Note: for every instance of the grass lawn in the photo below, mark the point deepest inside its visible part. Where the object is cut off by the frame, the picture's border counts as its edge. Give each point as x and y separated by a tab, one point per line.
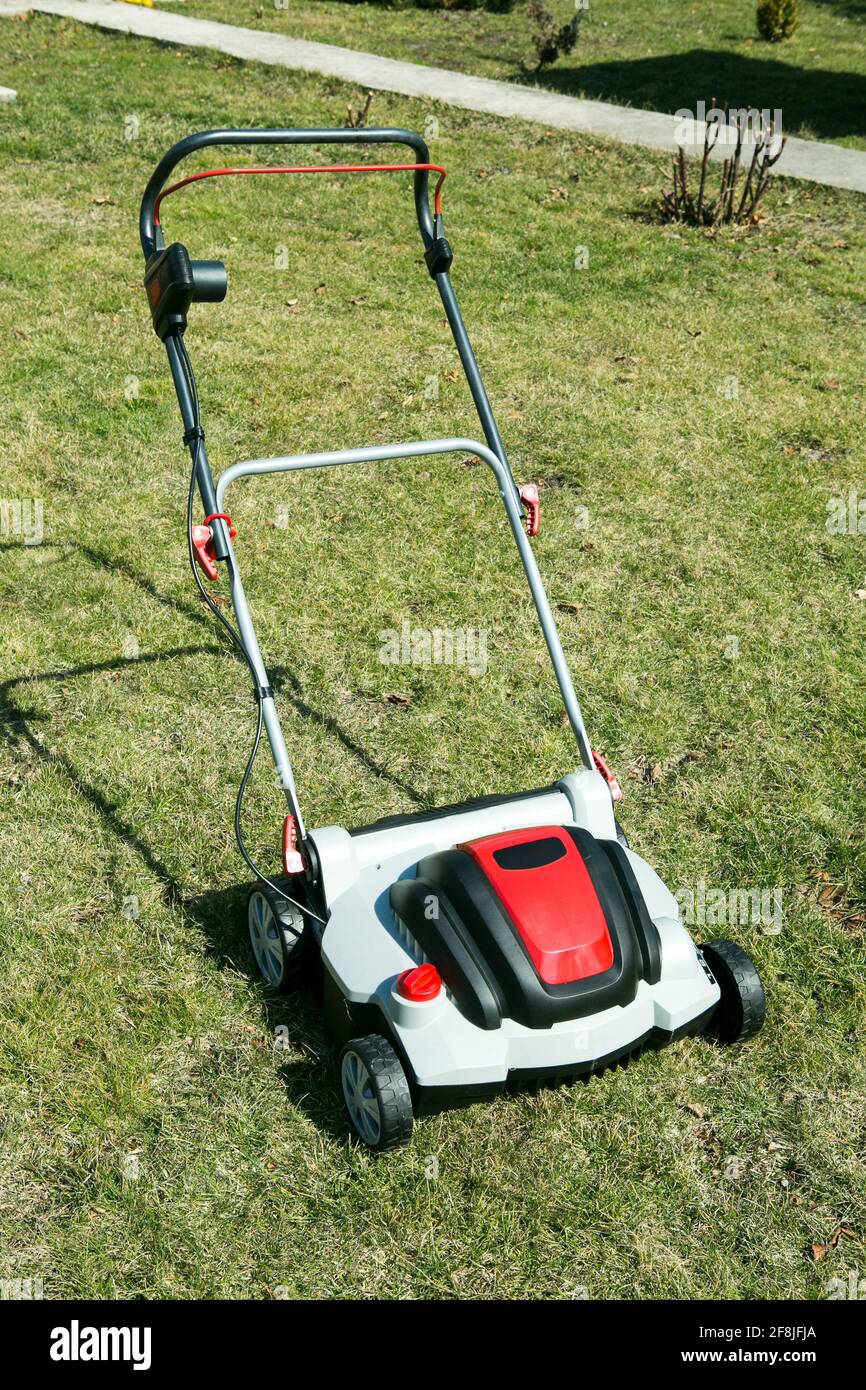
701	400
641	53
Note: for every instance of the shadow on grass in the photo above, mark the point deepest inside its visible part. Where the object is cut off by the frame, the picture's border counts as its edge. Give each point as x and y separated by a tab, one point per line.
830	105
221	913
16	719
846	9
310	1081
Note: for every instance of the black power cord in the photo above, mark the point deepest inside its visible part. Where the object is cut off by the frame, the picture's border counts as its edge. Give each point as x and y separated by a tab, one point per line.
237	641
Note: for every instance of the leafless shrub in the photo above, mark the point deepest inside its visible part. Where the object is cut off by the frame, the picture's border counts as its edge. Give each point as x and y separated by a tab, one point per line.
743	182
356	119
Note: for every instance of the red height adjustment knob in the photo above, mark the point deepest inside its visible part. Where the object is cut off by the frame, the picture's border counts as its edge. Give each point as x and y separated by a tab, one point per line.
421	984
530	499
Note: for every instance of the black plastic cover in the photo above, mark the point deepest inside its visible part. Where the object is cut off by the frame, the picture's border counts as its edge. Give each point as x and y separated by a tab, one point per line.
439	256
168	280
173	282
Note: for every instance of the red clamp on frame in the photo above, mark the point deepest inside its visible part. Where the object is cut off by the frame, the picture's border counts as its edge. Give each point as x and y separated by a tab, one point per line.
293	862
609	777
531	501
202	541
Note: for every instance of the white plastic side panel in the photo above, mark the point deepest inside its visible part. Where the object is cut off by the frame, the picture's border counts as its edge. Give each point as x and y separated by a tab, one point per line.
590	801
659	899
453	1052
365	948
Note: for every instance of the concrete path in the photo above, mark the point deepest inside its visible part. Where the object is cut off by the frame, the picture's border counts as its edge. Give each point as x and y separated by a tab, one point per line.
803	159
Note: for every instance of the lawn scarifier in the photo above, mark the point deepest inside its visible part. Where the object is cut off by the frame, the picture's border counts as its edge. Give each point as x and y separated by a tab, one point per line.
507	939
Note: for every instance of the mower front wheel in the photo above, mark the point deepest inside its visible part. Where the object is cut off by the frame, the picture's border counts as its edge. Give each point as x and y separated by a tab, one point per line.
376	1092
743	1005
276	930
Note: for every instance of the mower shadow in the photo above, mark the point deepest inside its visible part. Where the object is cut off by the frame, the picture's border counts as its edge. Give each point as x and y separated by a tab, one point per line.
310	1083
283	681
295	1021
16	720
17	723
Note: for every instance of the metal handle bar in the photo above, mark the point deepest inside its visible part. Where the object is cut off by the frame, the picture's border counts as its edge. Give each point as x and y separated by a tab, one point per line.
204	139
381	452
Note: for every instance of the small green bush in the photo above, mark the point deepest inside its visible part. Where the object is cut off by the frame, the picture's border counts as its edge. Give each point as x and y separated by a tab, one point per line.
777	19
550	39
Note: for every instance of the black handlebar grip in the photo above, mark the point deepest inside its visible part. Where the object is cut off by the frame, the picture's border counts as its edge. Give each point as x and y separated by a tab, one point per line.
210	282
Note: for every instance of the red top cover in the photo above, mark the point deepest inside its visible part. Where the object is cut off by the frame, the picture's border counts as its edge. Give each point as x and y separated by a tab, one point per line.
543	884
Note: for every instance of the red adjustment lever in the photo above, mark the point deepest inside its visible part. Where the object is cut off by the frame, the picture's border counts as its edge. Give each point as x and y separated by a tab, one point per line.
202	540
293	862
530	499
609	777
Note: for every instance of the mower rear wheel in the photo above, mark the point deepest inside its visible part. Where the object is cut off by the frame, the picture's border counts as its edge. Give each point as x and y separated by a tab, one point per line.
743	1005
276	930
376	1092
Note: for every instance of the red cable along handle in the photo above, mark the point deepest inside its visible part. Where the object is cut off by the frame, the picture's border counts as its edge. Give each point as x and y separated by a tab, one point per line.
307	169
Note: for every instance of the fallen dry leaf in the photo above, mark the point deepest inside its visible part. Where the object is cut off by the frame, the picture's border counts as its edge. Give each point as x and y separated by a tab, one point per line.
819	1251
642	770
833	899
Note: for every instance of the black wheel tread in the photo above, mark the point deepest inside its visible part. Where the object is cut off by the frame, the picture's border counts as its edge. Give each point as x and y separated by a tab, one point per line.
293	946
740	1017
391	1086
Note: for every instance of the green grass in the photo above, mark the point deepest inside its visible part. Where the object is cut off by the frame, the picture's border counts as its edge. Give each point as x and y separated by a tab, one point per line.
138	1028
643	54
